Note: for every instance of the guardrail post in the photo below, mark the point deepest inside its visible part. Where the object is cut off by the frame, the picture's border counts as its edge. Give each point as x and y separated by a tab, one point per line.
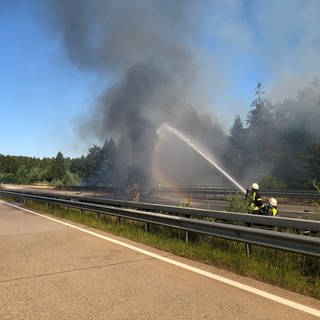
283	239
248	245
248	249
187	237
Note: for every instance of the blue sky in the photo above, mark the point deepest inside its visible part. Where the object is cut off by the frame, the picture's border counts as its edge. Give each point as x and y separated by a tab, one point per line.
41	93
238	43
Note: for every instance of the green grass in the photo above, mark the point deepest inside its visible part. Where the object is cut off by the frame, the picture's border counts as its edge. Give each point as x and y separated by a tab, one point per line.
287	270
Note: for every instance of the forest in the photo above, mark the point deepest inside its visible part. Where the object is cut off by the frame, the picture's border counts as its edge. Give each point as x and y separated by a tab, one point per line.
279	143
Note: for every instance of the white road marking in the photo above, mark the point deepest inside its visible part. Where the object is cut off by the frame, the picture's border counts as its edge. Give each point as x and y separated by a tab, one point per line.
210	275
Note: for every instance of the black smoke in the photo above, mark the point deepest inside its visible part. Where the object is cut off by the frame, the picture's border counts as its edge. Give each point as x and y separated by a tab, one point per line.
144	46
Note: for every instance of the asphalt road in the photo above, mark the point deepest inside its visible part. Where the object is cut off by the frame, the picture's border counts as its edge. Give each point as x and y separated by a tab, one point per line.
52	271
296	211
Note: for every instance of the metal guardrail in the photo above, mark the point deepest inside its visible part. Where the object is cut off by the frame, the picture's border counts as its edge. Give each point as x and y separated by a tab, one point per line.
279	222
93	189
302	244
306	194
202	190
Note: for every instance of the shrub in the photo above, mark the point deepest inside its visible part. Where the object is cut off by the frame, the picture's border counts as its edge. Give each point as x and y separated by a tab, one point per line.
236	203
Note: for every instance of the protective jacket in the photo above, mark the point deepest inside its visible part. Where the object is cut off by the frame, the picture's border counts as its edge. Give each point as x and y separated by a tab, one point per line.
254	201
269	210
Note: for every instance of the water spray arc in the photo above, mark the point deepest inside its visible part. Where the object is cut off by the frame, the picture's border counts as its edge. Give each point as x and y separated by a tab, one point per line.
205	155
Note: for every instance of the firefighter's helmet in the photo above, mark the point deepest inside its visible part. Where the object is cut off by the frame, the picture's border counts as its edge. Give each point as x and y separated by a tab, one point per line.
255	186
273	202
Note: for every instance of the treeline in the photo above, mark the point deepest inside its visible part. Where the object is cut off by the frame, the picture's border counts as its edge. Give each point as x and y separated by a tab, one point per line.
276	145
93	169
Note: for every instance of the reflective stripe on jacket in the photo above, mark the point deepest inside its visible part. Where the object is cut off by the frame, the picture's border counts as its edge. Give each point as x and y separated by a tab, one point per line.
274	211
255	202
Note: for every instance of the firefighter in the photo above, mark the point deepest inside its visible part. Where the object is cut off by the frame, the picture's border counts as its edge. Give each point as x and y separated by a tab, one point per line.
254	199
271	208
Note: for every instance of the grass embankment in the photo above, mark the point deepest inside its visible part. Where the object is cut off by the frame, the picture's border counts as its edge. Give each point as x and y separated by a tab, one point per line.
287	270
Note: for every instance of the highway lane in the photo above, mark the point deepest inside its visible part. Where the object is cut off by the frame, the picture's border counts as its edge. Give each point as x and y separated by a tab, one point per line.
295	211
300	210
51	271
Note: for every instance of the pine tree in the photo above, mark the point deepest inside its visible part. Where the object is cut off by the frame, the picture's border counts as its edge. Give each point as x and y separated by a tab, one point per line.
58	168
237	134
260	112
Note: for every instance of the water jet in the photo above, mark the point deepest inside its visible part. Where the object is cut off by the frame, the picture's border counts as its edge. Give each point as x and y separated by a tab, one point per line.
204	154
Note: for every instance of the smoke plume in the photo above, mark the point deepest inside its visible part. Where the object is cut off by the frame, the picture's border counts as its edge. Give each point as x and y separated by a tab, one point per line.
143	46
